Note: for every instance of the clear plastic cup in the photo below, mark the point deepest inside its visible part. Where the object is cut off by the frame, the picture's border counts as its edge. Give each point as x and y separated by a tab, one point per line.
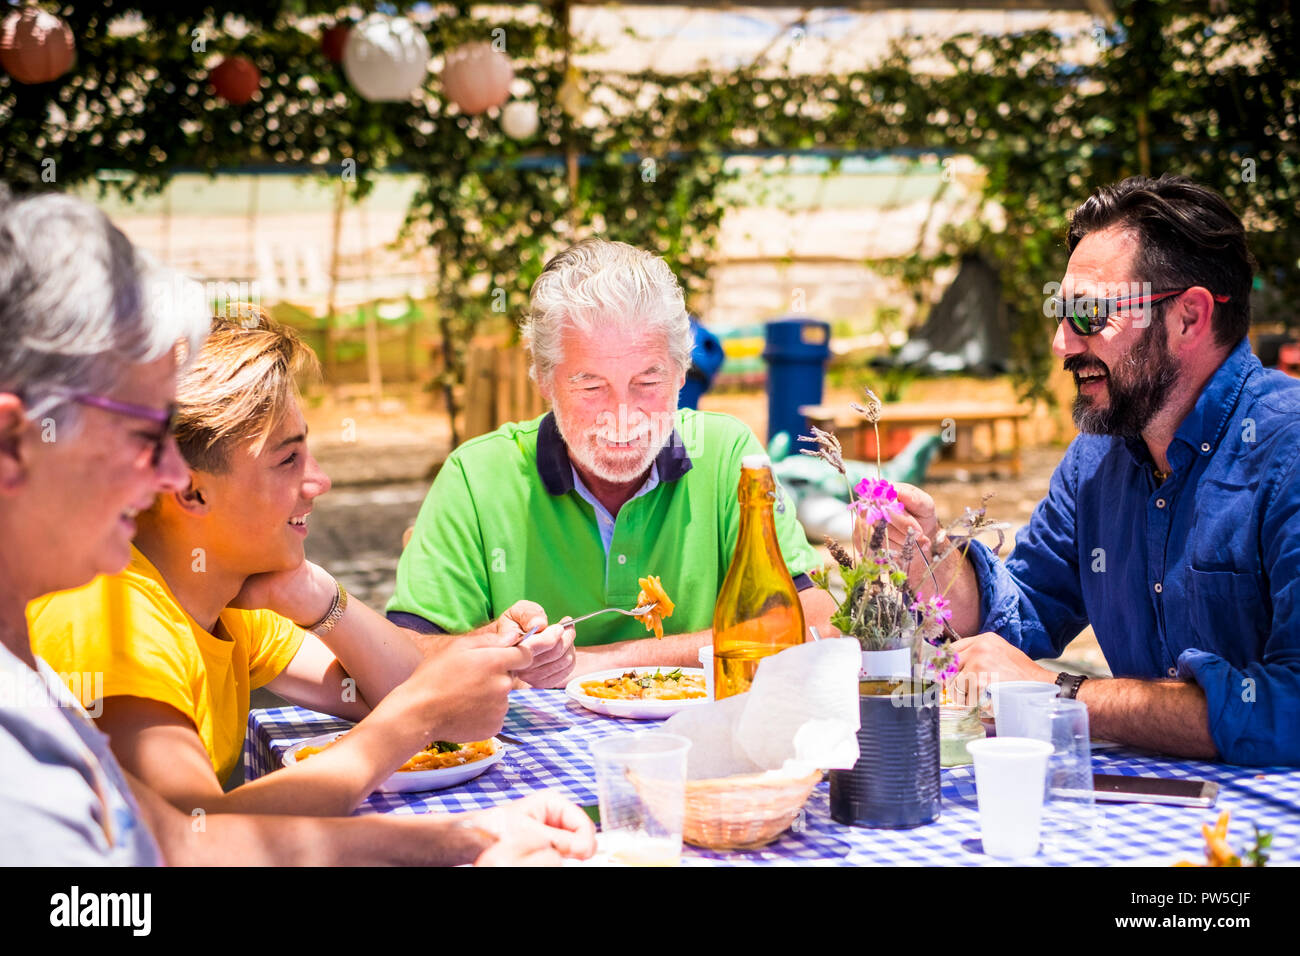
706	661
1070	815
1009	699
1009	775
641	783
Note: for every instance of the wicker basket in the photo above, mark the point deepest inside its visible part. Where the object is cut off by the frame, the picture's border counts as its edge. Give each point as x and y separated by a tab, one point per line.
743	812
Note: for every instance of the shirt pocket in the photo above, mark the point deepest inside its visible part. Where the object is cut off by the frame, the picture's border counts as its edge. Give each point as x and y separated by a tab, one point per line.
1224	537
1227	615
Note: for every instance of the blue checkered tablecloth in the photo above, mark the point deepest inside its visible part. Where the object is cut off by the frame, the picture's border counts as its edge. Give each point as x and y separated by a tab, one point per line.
556	734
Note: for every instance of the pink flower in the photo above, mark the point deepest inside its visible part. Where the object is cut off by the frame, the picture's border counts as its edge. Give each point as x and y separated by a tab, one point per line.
877	499
944	666
935	608
931	615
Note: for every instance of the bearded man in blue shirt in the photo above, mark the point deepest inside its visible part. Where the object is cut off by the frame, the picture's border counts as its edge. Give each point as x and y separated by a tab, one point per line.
1171	524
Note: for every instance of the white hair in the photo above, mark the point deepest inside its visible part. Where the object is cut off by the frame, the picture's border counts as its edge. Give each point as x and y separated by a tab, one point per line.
79	304
611	287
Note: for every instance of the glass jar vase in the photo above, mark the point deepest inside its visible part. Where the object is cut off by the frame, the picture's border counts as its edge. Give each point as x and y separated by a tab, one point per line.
958	726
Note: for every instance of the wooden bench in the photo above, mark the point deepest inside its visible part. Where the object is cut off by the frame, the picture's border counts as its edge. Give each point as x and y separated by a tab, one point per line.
956	423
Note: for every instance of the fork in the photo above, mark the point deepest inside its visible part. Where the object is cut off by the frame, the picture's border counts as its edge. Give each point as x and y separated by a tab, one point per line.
635	612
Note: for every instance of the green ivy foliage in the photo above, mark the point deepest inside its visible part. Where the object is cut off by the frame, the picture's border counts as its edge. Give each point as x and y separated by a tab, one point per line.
1208	90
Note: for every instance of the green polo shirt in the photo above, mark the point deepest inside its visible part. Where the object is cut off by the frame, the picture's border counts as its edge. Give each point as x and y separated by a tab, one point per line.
503	523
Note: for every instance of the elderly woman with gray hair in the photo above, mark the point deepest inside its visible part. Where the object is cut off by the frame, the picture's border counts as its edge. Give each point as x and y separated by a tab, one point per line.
89	335
86	378
613	484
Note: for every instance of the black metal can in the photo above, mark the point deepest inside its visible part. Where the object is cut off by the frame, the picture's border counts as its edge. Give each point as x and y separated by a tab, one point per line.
895	783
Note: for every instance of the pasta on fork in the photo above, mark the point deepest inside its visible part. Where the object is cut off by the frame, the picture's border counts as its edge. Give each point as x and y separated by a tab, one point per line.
653	593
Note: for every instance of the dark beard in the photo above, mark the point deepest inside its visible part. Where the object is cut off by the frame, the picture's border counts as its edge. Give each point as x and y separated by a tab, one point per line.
1138	387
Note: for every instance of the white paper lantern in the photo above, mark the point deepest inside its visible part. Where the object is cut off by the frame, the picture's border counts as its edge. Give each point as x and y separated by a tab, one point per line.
386	58
519	119
477	77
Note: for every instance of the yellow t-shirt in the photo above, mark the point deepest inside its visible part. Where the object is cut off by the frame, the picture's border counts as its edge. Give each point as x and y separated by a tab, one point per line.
129	631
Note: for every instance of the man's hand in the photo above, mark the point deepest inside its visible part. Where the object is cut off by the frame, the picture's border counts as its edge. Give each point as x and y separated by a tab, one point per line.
302	594
985	659
950	574
919	517
920	512
538	830
551	647
461	690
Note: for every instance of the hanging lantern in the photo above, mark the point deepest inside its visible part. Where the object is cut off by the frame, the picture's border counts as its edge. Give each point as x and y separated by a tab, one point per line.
385	58
235	79
35	46
519	119
477	77
334	41
570	95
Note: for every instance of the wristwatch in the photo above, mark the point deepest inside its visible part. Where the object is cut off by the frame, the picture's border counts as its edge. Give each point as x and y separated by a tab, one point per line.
336	609
1069	684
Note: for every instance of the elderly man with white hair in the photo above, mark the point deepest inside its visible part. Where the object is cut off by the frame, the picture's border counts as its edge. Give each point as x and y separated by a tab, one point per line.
613	484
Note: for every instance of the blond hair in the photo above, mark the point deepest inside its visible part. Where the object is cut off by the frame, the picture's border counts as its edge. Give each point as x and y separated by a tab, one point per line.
610	287
238	387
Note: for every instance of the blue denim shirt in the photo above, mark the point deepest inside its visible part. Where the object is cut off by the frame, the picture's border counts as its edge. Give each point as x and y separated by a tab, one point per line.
1198	577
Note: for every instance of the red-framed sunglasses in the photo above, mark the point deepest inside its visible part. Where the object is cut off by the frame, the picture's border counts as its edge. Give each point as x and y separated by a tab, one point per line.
1088	315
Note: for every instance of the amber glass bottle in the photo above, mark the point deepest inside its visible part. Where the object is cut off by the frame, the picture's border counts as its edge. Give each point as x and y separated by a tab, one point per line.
758	611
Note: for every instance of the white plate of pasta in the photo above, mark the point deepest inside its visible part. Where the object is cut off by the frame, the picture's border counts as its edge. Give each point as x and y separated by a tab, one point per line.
642	693
436	767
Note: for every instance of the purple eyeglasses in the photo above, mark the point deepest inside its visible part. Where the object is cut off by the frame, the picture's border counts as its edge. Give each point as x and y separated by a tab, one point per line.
164	417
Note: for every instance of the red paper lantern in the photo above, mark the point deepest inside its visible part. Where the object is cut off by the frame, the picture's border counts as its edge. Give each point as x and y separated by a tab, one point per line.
235	79
334	40
35	46
476	77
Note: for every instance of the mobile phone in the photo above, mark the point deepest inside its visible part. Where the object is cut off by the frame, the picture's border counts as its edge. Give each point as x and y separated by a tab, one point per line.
1118	788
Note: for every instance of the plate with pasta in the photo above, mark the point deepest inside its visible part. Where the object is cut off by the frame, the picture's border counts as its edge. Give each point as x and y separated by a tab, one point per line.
440	765
642	693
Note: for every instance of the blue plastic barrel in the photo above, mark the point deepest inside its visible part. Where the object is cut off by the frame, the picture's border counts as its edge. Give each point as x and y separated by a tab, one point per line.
706	359
796	354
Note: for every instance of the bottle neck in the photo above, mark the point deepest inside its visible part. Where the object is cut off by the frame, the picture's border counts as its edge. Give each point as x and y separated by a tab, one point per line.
757	500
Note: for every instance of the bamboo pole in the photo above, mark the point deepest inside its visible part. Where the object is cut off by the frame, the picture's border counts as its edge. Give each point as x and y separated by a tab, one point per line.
331	306
373	373
563	14
1144	139
250	264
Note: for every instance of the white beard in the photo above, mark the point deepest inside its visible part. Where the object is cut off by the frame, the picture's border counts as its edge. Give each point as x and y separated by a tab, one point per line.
589	449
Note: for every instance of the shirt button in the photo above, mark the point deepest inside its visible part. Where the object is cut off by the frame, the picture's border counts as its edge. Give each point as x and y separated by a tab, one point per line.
1160	502
1173	672
622	559
1159	587
1205	446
